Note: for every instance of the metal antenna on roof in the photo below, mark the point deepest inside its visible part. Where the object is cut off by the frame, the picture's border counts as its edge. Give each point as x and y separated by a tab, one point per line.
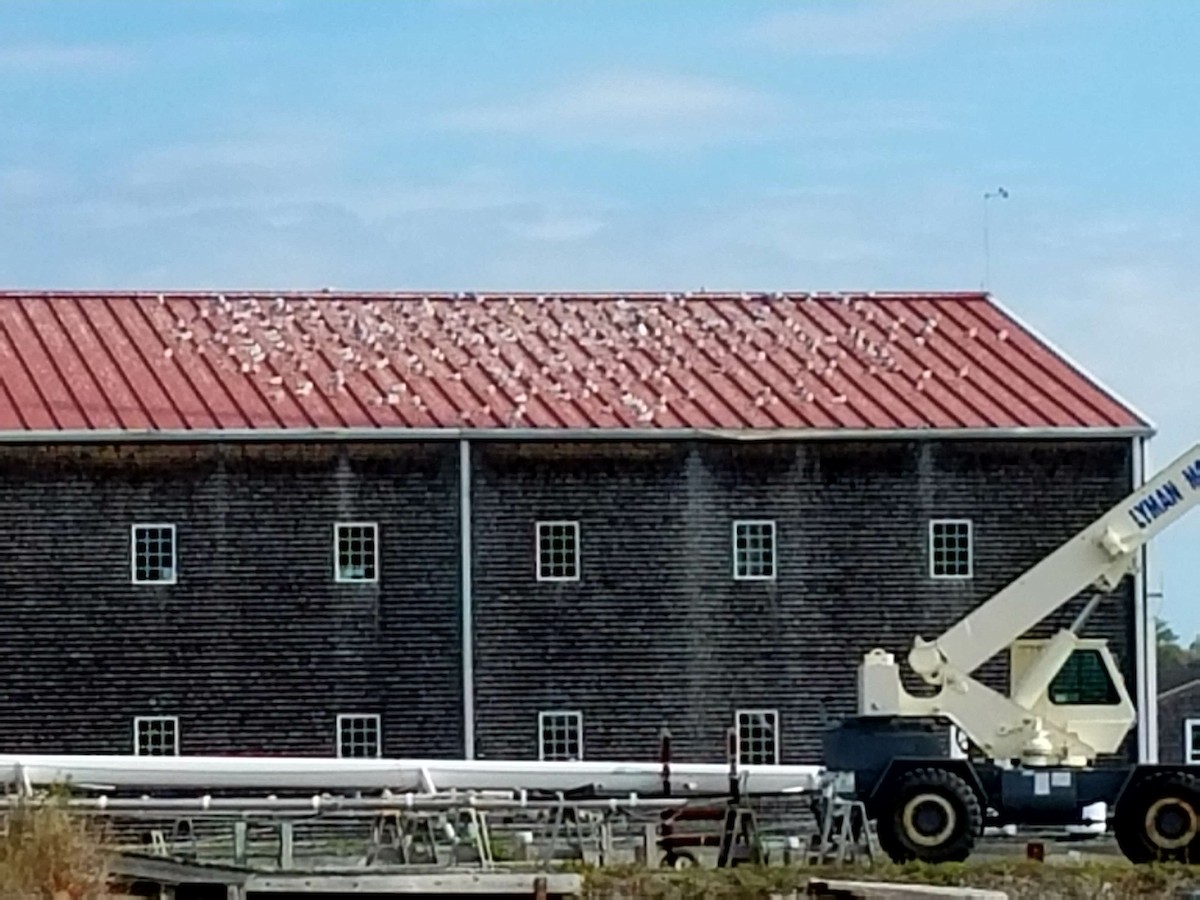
987	251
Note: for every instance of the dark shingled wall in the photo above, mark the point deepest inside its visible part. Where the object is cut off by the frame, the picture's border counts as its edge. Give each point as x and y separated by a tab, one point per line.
658	633
1174	709
256	648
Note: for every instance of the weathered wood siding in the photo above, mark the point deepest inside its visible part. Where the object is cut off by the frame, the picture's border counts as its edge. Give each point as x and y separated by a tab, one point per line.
256	649
657	632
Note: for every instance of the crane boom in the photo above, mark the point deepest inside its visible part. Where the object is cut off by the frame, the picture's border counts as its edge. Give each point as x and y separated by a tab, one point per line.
1099	556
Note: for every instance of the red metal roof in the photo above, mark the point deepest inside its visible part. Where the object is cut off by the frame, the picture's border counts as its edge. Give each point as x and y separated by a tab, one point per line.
266	361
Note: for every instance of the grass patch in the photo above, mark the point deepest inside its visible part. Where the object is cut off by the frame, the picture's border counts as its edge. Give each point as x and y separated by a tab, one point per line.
1020	880
47	853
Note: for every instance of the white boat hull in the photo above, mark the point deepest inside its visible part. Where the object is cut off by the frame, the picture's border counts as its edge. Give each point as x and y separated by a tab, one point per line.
214	773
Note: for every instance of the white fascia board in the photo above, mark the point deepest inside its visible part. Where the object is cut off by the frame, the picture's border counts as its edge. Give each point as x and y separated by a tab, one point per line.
241	435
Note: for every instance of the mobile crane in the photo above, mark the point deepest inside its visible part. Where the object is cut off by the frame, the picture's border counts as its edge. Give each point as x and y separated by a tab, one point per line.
932	769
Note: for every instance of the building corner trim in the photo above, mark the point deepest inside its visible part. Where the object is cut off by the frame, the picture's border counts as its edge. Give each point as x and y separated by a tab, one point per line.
467	613
1150	647
1145	634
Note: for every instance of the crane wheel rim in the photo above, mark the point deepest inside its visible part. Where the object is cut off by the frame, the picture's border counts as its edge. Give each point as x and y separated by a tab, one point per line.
924	838
1178	805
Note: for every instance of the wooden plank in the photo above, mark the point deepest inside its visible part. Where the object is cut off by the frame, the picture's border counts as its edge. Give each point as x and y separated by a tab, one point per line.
549	884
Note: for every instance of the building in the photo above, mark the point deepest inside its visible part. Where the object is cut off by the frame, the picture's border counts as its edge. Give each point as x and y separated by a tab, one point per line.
1179	723
519	526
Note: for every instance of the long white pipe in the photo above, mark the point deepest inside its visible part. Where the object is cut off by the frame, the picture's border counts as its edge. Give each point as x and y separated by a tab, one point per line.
213	773
218	806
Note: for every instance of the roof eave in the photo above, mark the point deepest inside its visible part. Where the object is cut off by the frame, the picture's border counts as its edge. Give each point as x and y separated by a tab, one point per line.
1179	689
567	434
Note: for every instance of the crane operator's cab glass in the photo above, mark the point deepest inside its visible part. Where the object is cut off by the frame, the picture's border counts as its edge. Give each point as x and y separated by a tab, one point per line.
1084	680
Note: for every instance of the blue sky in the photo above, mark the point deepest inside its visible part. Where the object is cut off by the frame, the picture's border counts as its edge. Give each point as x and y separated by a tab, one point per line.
535	145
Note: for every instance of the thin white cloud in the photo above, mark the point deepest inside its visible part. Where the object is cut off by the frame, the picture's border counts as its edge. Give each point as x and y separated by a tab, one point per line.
877	27
281	155
27	184
48	58
631	108
557	228
661	112
290	176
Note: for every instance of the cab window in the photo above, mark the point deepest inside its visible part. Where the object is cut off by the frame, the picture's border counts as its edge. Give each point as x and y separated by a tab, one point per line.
1084	681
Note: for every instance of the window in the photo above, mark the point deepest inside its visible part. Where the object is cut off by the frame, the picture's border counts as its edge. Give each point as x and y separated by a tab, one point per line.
558	551
156	736
1084	681
950	548
560	735
758	737
754	550
152	560
356	551
1191	741
358	736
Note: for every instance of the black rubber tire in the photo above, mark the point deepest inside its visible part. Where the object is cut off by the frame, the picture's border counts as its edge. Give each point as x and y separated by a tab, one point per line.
1158	819
930	815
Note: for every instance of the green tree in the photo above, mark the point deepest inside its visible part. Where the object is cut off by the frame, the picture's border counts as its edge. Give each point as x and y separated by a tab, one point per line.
1168	641
1176	664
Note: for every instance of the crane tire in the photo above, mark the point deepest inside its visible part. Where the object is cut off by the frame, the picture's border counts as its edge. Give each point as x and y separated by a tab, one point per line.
1158	819
929	814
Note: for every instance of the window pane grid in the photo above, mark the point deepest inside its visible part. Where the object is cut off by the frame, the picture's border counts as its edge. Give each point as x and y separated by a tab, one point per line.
950	548
560	735
558	551
754	549
758	732
156	736
357	551
358	736
153	554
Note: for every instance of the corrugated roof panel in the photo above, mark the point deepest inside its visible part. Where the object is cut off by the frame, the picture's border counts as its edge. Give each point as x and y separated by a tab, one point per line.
728	361
952	360
879	373
42	393
145	343
1082	399
844	342
109	385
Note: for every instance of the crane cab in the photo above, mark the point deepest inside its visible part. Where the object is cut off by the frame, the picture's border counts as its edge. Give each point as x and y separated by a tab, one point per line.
1077	686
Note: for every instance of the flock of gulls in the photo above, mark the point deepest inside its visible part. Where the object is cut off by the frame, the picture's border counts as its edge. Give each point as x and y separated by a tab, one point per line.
492	357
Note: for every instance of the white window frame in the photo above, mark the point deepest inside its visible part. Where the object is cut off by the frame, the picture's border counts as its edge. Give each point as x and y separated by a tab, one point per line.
733	540
1191	747
737	725
337	569
341	721
139	720
573	524
574	715
933	523
133	536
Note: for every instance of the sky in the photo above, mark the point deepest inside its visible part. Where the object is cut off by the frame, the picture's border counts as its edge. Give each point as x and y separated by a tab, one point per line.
605	144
